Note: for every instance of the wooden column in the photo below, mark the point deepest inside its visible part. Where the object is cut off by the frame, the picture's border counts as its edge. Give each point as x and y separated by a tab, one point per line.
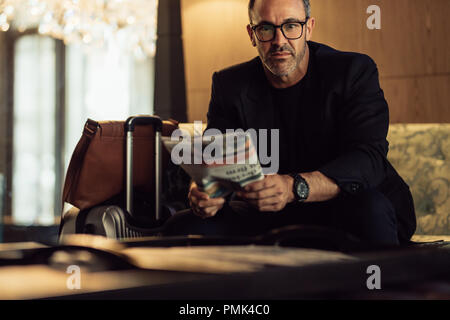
170	87
6	119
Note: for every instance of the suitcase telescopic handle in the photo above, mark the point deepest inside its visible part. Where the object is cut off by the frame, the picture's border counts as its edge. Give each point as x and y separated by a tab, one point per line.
155	121
130	124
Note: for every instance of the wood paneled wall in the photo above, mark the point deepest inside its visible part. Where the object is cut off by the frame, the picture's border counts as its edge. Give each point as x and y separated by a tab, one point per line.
3	107
214	37
412	49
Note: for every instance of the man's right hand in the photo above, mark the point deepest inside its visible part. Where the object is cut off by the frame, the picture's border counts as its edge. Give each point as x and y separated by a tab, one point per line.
202	205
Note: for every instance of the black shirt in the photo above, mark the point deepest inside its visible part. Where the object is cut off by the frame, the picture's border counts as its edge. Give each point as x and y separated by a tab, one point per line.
287	105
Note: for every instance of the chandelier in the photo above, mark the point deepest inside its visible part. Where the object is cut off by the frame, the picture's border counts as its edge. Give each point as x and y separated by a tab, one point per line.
130	23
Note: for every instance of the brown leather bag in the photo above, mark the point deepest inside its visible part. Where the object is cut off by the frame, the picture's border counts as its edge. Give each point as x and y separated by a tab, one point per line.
96	171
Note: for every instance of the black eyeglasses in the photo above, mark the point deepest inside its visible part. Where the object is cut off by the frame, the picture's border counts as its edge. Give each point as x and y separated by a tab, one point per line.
291	30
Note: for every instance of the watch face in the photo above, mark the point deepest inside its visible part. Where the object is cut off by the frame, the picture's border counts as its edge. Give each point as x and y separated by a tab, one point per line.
302	190
299	189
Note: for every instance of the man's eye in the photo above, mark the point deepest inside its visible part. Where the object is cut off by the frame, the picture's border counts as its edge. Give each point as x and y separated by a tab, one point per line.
266	28
291	26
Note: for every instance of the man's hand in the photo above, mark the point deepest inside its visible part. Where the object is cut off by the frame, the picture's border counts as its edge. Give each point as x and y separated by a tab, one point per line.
202	205
271	194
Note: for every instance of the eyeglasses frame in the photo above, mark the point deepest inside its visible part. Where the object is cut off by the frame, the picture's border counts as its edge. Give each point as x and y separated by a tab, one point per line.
302	23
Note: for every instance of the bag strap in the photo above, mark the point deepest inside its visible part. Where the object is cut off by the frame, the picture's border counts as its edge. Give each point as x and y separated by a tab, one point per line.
89	131
174	122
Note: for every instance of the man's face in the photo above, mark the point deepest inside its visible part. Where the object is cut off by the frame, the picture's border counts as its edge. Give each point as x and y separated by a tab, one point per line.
280	56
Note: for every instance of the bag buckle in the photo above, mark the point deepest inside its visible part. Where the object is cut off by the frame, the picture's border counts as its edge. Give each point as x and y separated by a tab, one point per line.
90	127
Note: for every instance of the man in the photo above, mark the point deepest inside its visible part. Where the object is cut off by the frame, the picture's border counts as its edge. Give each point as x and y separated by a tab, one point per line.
333	121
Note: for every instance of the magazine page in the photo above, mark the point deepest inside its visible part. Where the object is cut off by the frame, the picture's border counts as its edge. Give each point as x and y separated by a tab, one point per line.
219	164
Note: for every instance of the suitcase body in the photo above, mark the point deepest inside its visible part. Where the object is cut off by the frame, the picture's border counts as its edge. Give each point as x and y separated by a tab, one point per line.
118	219
108	221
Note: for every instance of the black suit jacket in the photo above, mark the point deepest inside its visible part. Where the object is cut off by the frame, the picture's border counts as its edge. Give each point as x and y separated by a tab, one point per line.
342	127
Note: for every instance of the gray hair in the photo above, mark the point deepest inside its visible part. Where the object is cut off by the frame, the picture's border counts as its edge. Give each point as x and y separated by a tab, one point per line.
306	4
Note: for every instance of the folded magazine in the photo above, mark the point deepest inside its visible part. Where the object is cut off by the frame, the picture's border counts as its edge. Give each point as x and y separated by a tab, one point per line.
219	164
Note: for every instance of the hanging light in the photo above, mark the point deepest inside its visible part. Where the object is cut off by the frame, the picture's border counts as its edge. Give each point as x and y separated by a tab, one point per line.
132	23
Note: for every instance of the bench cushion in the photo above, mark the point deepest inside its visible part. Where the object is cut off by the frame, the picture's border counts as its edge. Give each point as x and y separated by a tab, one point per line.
421	155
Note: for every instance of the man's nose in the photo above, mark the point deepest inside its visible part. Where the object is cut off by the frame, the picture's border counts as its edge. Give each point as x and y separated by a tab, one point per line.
279	38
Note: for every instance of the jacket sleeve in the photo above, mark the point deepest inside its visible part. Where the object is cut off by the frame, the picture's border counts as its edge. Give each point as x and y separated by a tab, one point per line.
363	125
219	117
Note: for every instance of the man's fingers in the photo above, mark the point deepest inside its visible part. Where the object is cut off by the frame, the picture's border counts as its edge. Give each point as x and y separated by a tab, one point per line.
210	203
198	194
260	185
206	208
211	211
262	194
194	201
273	208
260	203
207	212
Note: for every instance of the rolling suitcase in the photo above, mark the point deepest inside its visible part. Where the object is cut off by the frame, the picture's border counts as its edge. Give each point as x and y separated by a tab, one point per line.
118	217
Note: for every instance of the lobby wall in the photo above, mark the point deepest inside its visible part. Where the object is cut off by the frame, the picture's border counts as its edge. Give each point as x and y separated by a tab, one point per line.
411	49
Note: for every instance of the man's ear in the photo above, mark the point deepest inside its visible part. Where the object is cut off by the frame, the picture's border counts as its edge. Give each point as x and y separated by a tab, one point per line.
251	35
309	28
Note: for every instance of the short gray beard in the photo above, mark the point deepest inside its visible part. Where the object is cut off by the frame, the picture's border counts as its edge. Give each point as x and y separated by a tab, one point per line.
291	69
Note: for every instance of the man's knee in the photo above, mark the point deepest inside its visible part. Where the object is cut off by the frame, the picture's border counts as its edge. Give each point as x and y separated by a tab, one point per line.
236	218
371	216
373	203
186	222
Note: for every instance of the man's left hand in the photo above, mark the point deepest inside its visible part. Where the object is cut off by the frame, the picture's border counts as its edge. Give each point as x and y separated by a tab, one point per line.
271	194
